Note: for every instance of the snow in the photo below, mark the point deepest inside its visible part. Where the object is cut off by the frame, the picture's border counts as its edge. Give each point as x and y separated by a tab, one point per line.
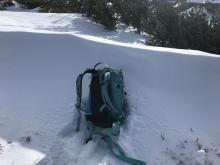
173	94
200	157
14	154
73	24
200	10
18	7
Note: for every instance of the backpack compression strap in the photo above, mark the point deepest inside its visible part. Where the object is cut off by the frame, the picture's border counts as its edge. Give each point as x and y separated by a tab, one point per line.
108	103
79	95
114	148
121	154
117	151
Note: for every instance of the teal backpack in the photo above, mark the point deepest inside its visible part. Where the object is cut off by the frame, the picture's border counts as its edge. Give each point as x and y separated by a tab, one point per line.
105	107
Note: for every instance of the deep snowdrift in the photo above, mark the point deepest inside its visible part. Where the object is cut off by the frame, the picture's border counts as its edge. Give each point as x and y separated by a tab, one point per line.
173	94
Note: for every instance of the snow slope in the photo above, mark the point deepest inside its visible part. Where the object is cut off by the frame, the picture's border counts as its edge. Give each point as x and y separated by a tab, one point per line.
173	94
73	24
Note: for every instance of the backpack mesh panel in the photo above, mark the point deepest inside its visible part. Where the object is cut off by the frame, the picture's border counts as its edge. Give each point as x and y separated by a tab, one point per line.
101	119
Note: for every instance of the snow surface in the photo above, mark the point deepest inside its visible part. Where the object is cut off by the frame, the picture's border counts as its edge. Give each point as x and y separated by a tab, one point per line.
173	94
73	24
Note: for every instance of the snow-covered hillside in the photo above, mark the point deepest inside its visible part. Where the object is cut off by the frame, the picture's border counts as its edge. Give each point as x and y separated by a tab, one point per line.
73	24
173	94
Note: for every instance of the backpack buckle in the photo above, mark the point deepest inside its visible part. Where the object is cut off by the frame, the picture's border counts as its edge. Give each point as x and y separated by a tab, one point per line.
116	129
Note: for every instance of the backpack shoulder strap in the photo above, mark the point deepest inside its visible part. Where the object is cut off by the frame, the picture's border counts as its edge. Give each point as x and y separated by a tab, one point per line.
79	94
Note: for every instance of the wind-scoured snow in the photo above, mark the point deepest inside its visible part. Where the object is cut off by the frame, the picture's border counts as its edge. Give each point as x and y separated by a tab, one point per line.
173	94
73	24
